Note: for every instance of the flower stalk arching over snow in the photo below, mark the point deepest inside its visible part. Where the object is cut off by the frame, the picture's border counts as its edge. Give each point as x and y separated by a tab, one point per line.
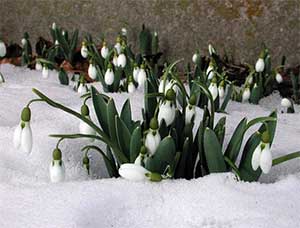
190	110
2	49
22	137
142	76
109	76
84	128
57	167
262	156
104	50
84	50
167	109
153	138
92	71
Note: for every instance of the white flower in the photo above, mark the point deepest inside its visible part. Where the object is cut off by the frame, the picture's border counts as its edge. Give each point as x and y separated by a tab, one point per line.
104	51
84	50
278	77
56	42
190	112
23	41
115	60
57	171
135	73
221	91
195	58
53	25
124	31
172	85
45	72
260	65
131	87
118	47
92	71
142	77
211	49
152	141
133	172
163	84
249	79
2	49
213	89
38	65
23	137
121	60
109	76
82	89
246	94
262	157
210	72
166	112
286	103
63	32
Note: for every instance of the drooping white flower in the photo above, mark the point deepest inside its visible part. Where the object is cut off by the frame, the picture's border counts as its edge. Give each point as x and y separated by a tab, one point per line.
135	73
121	61
260	65
279	78
246	94
142	76
163	84
82	88
213	89
118	46
249	79
53	25
140	160
190	110
286	103
45	72
211	49
56	42
262	156
38	65
131	87
109	76
2	49
195	57
210	71
153	138
221	89
23	42
22	137
104	51
115	60
84	50
57	167
167	109
133	172
124	32
63	32
92	71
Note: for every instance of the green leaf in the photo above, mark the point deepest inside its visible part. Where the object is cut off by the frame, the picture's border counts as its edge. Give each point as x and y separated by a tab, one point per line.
227	98
111	115
63	77
145	39
220	129
163	156
126	115
135	143
123	136
181	168
213	152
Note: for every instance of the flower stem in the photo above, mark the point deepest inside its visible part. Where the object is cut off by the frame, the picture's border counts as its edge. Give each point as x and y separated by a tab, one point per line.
285	158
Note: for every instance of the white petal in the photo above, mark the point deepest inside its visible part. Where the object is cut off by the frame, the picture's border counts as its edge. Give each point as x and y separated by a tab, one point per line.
256	157
118	48
115	61
26	138
221	92
210	73
152	142
17	136
279	78
142	77
135	73
57	172
45	72
166	112
213	90
246	95
138	160
195	57
163	84
38	66
189	113
131	88
82	89
133	172
104	52
121	60
260	65
286	103
92	71
109	77
2	49
84	51
266	159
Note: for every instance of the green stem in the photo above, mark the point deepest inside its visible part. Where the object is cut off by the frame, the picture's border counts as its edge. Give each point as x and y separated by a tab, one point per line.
32	101
285	158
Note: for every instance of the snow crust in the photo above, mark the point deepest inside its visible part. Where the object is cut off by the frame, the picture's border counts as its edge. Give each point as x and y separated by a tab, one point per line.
28	199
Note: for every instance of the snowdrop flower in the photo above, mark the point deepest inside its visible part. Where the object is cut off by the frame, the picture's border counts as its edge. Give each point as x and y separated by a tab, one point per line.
63	32
163	84
104	50
211	49
136	71
84	50
133	172
38	65
2	49
84	128
167	108
221	90
262	156
260	64
190	110
82	89
92	71
286	103
195	57
210	70
23	41
115	60
124	32
53	25
213	89
121	61
118	45
172	84
153	138
45	72
246	94
109	76
131	86
86	164
278	78
142	76
23	134
56	43
57	167
249	79
141	157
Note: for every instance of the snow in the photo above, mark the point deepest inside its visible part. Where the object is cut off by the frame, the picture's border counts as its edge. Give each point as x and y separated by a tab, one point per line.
28	199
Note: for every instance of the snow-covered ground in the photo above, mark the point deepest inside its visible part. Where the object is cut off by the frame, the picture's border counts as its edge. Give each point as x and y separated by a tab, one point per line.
28	199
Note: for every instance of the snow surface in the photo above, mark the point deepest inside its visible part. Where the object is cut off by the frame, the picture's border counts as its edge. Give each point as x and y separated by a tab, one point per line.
28	199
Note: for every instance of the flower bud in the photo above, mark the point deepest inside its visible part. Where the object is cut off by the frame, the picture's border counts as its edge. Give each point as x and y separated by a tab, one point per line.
213	89
56	155
260	65
53	25
85	110
211	49
278	78
92	71
286	103
155	177
109	76
195	57
170	95
26	114
121	61
210	71
23	41
124	32
84	50
133	172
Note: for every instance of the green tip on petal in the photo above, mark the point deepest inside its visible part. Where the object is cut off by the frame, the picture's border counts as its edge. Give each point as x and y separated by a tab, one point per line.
192	99
265	137
86	160
170	95
56	154
109	66
222	84
143	150
214	80
154	124
85	110
26	114
142	66
155	177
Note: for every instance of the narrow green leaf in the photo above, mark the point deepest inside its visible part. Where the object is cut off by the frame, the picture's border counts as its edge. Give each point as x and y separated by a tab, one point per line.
126	115
135	143
123	136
